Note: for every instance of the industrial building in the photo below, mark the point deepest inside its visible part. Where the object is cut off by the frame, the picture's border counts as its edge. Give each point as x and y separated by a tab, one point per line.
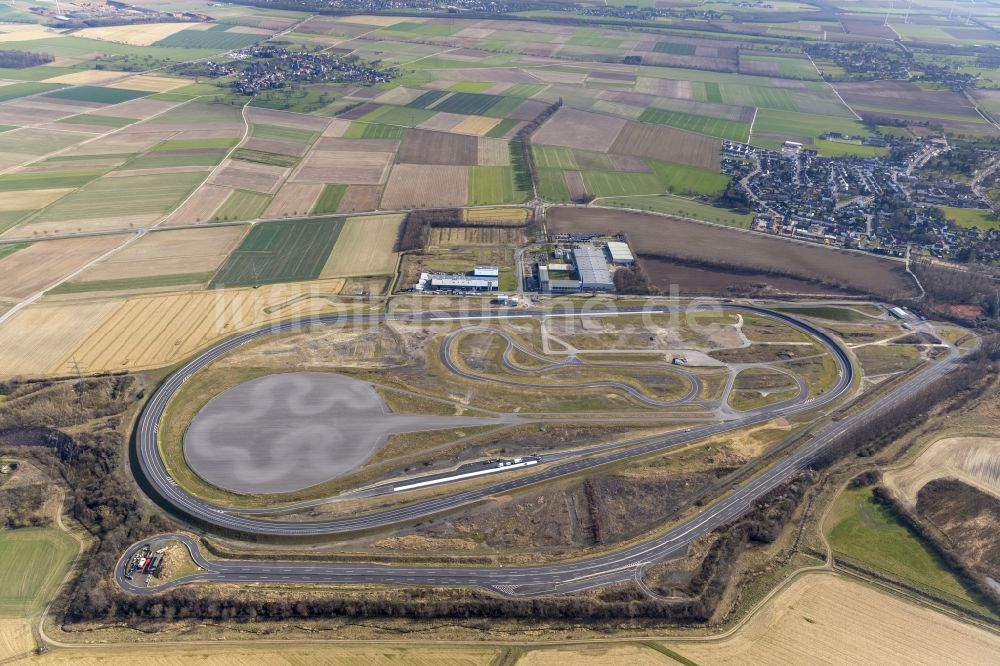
592	268
456	282
582	268
620	253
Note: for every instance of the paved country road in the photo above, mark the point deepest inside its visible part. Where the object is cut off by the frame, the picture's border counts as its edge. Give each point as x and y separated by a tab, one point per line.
567	576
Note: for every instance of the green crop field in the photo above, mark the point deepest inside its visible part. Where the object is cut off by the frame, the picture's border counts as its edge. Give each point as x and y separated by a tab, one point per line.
867	532
425	29
190	144
470	104
724	129
15	90
48	181
97	94
156	160
35	561
682	207
207	39
501	129
828	148
242	205
122	284
109	197
675	49
620	183
493	185
295	134
358	130
595	38
426	99
11	248
683	179
523	90
37	142
283	251
968	218
786	123
94	119
263	157
398	115
552	186
553	157
471	86
329	200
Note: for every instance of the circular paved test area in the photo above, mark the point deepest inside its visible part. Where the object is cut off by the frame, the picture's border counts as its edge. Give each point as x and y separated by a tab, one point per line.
285	432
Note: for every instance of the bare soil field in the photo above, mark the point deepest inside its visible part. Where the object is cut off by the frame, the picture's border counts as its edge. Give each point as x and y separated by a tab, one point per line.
720	247
248	176
360	198
123	142
286	119
664	87
973	460
493	152
441	122
336	144
423	186
159	329
344	167
425	147
200	207
822	619
364	247
446	237
906	96
579	129
168	253
574	183
33	341
294	199
669	144
39	265
276	146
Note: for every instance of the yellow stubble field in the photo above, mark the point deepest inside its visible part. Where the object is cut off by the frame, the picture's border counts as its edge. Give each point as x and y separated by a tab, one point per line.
824	619
155	330
137	35
365	247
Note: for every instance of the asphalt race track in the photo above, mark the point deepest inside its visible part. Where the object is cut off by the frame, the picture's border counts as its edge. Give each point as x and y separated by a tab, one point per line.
563	577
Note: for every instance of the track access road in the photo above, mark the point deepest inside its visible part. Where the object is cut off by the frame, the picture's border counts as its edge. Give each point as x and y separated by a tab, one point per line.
563	577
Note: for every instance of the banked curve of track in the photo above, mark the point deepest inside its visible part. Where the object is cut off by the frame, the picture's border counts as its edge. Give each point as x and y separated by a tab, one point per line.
570	576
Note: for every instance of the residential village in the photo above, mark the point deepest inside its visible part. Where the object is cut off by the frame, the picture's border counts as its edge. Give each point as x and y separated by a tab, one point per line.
881	204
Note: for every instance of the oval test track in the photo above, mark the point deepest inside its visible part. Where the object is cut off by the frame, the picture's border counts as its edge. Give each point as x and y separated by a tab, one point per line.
567	576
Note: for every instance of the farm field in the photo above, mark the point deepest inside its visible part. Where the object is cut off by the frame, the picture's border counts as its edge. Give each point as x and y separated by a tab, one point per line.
836	620
682	207
283	251
974	460
35	562
183	251
40	264
865	531
159	329
364	247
